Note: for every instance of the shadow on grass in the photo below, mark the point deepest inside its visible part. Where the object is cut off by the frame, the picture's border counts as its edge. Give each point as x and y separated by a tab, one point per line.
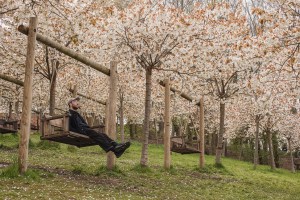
115	172
214	169
44	144
141	169
12	172
172	170
6	148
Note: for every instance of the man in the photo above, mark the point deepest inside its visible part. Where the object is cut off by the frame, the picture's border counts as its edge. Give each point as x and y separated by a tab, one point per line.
78	124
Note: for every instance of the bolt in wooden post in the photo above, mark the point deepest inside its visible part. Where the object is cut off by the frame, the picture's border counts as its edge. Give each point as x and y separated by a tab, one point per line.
202	141
112	98
27	97
167	152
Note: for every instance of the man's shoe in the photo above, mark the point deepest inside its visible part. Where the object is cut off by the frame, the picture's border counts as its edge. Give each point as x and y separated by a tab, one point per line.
120	148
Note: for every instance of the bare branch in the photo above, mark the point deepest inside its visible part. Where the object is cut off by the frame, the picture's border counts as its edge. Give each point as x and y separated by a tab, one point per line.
7	11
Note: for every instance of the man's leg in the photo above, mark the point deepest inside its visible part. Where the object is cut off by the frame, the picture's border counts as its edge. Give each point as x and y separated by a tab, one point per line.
105	142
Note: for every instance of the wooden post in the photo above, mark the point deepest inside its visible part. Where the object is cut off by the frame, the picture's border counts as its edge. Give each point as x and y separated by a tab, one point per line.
27	97
202	140
106	122
167	152
111	159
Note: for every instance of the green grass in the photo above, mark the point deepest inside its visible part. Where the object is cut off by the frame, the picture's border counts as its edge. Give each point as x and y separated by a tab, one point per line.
80	173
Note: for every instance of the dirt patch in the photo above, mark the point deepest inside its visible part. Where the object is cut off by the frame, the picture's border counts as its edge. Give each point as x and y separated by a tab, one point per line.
4	164
212	177
80	177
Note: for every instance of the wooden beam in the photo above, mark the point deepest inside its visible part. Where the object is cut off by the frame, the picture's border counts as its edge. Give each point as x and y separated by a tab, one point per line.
69	52
167	122
182	94
12	80
27	97
87	97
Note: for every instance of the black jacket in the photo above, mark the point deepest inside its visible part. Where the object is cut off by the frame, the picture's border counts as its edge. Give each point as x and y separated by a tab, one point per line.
77	123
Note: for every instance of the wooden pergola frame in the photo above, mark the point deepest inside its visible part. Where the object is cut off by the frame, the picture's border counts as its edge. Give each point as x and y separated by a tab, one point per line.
167	141
33	36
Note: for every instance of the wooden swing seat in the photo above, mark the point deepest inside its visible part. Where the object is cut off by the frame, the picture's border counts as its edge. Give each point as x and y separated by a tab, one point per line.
56	129
297	163
178	145
8	126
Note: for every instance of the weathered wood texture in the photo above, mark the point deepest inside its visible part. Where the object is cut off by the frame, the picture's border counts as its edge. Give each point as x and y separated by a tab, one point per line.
56	129
112	111
167	152
27	96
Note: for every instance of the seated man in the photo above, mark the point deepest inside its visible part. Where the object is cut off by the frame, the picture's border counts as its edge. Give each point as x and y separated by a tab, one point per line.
78	124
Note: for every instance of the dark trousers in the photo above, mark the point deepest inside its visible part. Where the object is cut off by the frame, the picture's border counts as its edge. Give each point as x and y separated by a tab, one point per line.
105	142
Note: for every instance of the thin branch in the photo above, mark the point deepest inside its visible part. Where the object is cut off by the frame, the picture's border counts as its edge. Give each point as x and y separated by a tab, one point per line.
10	10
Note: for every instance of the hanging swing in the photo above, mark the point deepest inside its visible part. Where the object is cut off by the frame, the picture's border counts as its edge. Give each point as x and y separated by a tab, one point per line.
56	129
8	126
183	145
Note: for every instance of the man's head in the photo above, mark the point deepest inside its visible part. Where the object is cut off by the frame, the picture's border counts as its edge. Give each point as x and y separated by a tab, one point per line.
74	103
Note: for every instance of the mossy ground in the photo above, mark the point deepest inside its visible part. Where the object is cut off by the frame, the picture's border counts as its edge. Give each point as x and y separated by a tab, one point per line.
64	172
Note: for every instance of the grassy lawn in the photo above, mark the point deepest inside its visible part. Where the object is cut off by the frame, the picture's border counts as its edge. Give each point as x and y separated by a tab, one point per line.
64	172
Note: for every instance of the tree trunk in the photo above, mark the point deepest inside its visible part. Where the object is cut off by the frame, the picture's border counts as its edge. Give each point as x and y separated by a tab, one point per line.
173	132
40	121
225	147
17	104
160	128
210	137
131	133
144	156
221	133
55	66
155	131
216	138
256	162
241	148
275	149
271	151
10	105
291	155
201	134
135	130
